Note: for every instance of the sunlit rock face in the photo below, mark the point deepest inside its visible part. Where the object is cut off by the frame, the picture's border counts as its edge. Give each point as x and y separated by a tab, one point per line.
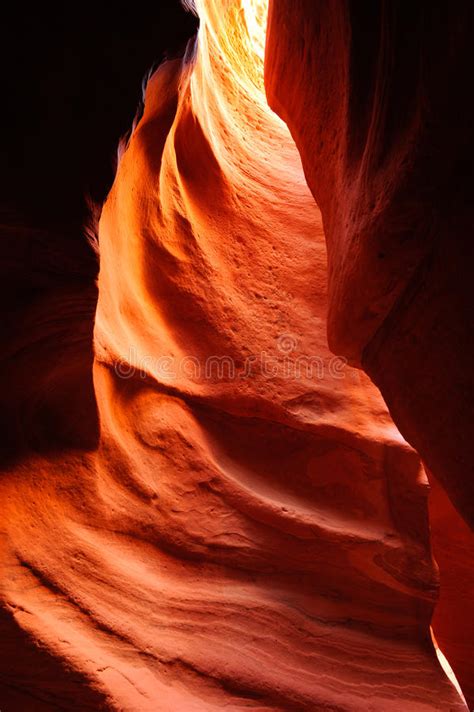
380	116
376	102
252	530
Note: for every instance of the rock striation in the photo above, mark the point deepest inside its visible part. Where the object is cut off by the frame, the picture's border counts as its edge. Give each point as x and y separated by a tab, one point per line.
377	105
251	530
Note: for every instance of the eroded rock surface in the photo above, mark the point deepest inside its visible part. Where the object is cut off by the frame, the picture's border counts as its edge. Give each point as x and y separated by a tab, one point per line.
251	531
377	105
378	108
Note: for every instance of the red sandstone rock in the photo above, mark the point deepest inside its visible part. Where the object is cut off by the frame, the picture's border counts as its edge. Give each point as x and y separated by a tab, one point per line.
376	101
453	544
250	533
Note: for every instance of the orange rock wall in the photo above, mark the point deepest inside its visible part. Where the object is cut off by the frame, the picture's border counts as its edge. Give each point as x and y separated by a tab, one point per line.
376	102
252	530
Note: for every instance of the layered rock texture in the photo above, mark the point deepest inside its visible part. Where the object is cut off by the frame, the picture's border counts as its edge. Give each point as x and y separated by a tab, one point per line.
378	108
242	526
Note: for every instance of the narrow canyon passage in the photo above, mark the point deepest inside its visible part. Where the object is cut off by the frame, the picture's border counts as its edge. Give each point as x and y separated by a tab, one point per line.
251	530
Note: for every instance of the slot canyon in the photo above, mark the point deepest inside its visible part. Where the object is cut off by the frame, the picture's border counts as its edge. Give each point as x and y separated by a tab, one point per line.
237	395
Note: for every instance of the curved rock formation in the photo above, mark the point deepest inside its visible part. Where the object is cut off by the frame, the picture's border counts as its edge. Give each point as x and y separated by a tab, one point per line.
452	542
251	531
377	106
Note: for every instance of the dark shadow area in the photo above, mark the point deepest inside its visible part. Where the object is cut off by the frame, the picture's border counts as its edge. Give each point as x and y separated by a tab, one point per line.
71	85
72	82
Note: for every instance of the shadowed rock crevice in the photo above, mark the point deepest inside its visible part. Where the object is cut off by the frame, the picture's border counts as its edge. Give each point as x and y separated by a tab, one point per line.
235	529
